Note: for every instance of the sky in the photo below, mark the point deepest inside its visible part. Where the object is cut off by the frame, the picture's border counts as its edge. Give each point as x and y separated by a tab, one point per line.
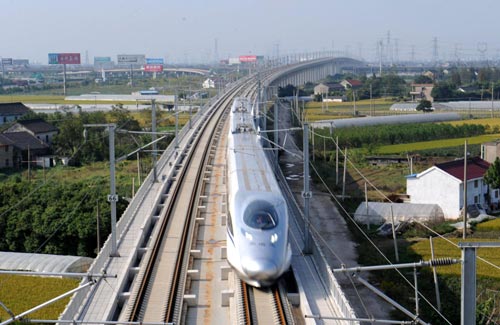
186	31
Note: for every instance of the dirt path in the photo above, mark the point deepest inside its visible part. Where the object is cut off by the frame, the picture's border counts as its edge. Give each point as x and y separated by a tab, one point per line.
329	225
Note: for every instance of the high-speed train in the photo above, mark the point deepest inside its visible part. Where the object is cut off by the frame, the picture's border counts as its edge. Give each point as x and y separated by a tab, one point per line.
257	224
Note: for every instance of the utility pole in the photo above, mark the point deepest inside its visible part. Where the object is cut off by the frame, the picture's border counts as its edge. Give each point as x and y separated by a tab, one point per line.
153	138
64	79
371	100
98	228
176	122
492	99
464	235
337	161
344	175
131	76
468	280
306	194
276	134
112	197
354	98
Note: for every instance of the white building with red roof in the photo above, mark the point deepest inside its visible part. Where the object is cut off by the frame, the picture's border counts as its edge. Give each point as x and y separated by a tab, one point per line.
443	184
351	83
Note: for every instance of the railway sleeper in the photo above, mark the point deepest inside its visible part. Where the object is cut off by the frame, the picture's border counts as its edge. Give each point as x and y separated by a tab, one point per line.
226	296
194	274
225	270
190	300
223	252
196	253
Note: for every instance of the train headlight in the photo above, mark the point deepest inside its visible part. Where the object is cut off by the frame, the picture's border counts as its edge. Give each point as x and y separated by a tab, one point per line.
274	238
248	236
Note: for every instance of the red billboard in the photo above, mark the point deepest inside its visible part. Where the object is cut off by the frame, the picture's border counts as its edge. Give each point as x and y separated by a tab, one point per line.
153	67
248	58
64	58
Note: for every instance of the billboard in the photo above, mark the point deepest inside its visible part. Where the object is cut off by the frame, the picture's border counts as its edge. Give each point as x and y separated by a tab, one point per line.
102	59
153	67
154	60
20	62
248	58
131	58
64	58
7	61
232	61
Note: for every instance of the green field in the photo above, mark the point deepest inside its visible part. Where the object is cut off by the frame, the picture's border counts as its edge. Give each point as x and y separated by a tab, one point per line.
492	225
20	293
417	146
442	249
36	99
316	111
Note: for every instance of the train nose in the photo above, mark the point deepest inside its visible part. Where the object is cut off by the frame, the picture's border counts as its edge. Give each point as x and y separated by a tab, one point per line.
260	269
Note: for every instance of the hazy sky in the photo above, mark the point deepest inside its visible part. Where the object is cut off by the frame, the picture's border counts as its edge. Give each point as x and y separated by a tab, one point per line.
186	30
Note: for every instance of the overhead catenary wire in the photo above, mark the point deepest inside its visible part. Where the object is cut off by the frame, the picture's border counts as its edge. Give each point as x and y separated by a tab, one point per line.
383	195
368	238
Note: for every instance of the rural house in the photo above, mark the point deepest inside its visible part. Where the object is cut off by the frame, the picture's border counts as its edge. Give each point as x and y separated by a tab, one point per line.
442	184
10	112
490	150
351	84
321	89
38	128
421	91
17	148
6	152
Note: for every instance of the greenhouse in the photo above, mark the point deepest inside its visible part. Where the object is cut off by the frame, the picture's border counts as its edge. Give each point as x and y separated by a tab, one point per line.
44	263
392	119
381	212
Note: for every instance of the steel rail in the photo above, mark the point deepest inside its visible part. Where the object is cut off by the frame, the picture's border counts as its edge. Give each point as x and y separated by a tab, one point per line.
155	250
173	308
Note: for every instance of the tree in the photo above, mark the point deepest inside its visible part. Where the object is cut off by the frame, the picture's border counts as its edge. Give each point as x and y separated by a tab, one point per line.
443	91
455	78
423	79
288	90
492	176
424	105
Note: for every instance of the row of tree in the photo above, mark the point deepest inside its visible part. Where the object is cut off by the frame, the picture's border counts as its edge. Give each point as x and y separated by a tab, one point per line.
357	137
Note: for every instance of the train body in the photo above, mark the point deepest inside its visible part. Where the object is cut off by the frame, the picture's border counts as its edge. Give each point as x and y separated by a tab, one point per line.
257	224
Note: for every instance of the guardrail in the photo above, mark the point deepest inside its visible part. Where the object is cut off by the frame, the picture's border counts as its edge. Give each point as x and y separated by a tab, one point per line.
77	306
324	270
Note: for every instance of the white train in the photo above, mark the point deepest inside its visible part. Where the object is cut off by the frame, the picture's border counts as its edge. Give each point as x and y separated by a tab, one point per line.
257	223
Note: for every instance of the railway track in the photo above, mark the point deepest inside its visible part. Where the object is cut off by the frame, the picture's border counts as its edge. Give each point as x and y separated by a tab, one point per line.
157	291
159	288
263	305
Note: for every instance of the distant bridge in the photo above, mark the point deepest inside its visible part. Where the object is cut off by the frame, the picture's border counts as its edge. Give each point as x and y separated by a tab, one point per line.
313	71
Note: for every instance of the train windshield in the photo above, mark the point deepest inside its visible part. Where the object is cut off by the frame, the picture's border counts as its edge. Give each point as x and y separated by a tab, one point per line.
261	220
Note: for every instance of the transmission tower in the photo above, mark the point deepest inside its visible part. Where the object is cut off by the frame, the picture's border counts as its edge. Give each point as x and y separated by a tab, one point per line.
389	48
396	50
216	51
435	57
482	48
